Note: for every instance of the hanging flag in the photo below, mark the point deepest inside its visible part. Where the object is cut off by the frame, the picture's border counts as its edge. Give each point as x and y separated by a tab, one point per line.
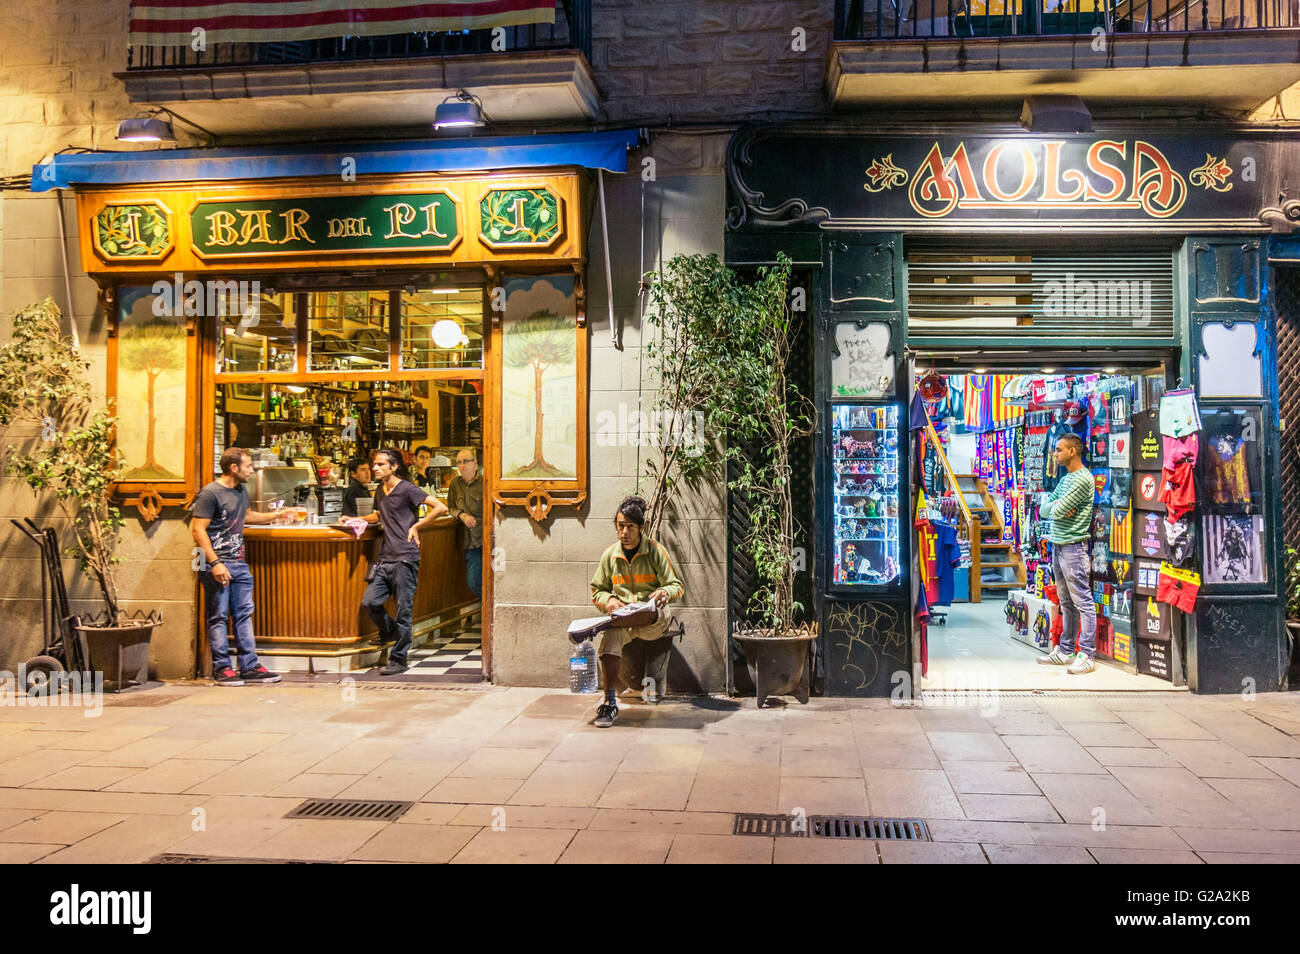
173	22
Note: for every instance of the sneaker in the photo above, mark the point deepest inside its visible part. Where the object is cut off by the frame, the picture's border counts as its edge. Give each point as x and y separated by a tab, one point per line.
260	674
606	715
1082	663
1056	658
227	677
393	669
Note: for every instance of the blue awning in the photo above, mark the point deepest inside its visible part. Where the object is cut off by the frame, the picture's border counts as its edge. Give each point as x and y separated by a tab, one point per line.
599	150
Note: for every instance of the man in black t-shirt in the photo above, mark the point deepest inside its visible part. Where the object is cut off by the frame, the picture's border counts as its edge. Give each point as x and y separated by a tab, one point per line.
358	477
397	506
219	514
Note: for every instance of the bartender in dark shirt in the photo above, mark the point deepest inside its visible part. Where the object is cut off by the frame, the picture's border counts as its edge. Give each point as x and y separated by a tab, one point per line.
425	474
397	507
358	477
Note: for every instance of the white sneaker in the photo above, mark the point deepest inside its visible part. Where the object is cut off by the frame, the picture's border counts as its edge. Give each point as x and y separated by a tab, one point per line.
1055	658
1082	664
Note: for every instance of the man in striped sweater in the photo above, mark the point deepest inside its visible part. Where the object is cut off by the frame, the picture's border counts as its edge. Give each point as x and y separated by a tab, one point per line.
1069	507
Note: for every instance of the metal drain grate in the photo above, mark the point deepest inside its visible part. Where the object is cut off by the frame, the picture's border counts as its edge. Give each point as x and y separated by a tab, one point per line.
171	858
861	827
351	809
831	826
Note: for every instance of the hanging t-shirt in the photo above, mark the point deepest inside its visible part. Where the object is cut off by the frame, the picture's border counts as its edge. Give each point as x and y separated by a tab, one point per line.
947	559
932	476
927	541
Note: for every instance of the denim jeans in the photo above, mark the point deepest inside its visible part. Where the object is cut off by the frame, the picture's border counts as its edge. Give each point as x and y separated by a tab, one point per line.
1070	566
474	570
235	598
397	580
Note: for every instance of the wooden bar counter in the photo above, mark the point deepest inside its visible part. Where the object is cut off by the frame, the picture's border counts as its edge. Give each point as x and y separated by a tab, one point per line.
308	581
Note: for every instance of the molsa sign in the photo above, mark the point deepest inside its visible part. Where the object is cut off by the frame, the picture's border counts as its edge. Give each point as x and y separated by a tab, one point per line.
1118	178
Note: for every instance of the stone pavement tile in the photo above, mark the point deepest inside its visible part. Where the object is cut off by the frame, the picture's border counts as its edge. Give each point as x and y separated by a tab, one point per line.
438	750
892	719
145	753
1024	722
1207	759
259	775
500	763
969	747
559	705
1165	725
693	849
1271	803
667	791
196	729
627	819
132	842
133	803
23	854
42	799
824	851
1144	856
823	796
721	788
314	785
537	846
663	757
750	724
1113	836
532	733
522	816
399	780
1120	755
1079	797
359	757
313	839
109	738
1022	808
13	816
923	853
1284	720
1047	753
1247	735
1246	858
247	806
1002	833
577	784
840	761
1037	855
953	720
415	844
609	747
1289	769
430	813
172	776
1249	841
86	777
989	778
735	750
60	828
618	847
896	750
908	793
33	766
1078	710
1178	797
485	791
1109	734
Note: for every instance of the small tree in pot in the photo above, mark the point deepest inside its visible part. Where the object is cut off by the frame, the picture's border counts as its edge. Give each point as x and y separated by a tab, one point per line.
43	386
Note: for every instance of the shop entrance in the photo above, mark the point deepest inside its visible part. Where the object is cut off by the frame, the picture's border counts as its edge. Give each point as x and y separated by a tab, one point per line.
983	549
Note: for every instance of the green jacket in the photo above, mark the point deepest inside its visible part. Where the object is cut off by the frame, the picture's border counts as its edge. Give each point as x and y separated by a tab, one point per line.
1069	507
651	569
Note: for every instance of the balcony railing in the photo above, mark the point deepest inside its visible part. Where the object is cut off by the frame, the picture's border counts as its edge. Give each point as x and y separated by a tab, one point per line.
898	19
571	31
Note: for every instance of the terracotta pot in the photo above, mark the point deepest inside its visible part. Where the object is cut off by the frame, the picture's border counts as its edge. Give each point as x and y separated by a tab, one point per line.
121	651
778	665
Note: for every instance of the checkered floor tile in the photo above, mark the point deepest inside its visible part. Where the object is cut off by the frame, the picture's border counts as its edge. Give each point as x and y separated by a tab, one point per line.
455	654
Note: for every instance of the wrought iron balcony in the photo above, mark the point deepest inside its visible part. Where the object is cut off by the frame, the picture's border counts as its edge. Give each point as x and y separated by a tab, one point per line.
570	31
910	19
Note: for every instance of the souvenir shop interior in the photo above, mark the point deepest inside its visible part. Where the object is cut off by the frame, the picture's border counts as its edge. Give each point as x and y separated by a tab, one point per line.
982	460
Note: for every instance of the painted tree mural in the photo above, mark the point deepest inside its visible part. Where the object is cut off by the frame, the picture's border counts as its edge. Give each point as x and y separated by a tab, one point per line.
154	348
539	341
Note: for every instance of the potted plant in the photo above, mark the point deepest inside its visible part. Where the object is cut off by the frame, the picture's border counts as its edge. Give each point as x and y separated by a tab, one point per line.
71	453
1291	593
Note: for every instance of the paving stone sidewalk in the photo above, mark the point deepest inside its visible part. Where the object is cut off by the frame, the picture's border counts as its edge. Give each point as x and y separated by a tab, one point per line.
520	775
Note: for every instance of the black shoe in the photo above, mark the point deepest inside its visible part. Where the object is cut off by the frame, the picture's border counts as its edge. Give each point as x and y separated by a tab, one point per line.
227	677
392	669
260	674
606	715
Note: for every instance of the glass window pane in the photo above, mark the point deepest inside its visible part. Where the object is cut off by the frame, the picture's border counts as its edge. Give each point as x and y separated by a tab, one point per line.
347	331
442	328
1230	366
257	333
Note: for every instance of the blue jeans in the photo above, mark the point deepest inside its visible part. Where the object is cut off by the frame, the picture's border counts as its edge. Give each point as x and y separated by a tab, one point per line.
235	598
1071	564
474	570
397	580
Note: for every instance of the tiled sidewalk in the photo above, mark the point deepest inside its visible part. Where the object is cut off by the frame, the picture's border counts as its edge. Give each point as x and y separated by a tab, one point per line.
519	775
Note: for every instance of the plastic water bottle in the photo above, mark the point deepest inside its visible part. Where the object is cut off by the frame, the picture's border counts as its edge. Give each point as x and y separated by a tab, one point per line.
582	667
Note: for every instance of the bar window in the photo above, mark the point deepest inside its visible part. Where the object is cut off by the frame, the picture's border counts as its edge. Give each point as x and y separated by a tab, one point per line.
347	331
257	332
442	328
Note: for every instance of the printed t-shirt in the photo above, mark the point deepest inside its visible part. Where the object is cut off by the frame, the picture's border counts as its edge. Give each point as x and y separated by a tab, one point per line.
225	507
